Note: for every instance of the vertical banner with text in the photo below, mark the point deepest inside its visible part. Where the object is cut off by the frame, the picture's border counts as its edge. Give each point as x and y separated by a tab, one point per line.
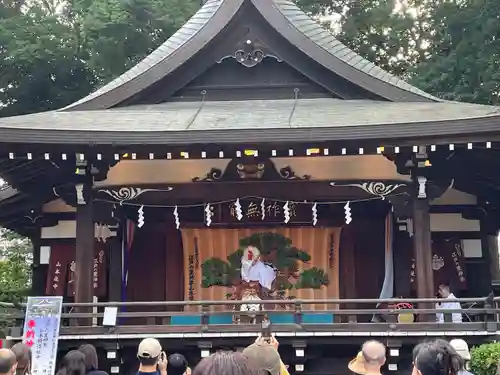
41	332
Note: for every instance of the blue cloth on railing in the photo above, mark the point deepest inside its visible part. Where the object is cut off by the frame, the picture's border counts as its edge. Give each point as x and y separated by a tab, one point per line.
275	318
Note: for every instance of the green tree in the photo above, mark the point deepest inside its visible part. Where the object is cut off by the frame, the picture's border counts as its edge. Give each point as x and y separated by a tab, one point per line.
393	34
54	53
15	274
464	62
15	263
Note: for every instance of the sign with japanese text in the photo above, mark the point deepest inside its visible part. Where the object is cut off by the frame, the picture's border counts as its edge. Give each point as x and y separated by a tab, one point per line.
260	211
41	332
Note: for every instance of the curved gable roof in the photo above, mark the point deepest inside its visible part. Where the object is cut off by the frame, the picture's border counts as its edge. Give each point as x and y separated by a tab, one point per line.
309	36
287	19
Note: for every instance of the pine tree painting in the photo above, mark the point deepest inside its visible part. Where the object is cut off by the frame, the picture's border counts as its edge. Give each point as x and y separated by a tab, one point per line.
275	249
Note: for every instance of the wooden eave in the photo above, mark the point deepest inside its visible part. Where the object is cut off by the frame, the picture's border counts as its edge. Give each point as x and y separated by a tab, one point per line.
263	122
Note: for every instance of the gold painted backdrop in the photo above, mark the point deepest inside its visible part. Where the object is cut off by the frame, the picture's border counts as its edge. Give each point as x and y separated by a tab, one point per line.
321	244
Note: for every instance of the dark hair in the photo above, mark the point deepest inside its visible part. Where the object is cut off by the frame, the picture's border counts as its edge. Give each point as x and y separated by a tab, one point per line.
436	358
91	362
176	364
73	363
147	361
23	357
226	363
7	360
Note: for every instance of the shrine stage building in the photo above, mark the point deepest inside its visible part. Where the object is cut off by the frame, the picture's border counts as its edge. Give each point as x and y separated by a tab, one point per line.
253	126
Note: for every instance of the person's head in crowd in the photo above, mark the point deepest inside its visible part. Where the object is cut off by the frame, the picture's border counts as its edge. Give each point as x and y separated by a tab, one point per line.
436	358
148	353
226	363
91	361
264	355
462	349
8	362
444	290
370	359
23	358
176	364
73	363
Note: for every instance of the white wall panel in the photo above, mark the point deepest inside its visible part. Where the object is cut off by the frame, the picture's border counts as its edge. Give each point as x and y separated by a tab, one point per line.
453	223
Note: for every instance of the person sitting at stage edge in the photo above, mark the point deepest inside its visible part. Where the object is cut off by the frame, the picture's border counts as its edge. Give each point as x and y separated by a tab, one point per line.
436	358
462	350
445	293
152	359
370	359
23	358
263	353
226	363
91	361
8	362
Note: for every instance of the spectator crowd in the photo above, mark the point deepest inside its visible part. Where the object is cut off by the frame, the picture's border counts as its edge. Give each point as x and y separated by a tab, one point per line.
438	357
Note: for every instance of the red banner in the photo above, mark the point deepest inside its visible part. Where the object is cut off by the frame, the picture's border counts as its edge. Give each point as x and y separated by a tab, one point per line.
60	256
62	267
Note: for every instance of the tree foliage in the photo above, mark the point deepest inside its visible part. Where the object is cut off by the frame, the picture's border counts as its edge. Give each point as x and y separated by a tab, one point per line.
15	264
449	48
485	359
53	52
15	273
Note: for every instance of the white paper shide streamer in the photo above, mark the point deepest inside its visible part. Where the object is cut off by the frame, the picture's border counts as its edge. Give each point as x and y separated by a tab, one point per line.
263	208
176	218
286	212
314	214
208	214
238	210
140	218
348	215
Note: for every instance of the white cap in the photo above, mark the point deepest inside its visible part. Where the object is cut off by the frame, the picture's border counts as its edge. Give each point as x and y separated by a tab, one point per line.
461	348
149	348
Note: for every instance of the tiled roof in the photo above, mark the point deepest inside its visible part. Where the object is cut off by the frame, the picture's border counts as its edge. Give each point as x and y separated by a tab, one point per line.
228	121
325	39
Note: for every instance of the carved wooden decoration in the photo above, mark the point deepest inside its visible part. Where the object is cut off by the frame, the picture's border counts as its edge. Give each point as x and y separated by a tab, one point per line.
251	169
250	51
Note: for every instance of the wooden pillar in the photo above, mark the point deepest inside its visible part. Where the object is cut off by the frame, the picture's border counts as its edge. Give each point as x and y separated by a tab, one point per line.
422	248
38	276
84	247
115	269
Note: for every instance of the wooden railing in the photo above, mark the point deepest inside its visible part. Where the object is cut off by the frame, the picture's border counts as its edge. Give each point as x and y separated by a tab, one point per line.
343	315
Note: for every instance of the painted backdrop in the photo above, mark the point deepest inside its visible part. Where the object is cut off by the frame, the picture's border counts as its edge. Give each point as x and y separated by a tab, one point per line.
307	259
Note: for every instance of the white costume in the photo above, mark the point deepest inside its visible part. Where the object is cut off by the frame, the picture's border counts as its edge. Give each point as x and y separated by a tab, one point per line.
253	269
449	305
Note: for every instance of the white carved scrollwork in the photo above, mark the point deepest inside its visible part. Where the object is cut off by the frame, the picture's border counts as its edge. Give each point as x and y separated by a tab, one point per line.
377	188
129	193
